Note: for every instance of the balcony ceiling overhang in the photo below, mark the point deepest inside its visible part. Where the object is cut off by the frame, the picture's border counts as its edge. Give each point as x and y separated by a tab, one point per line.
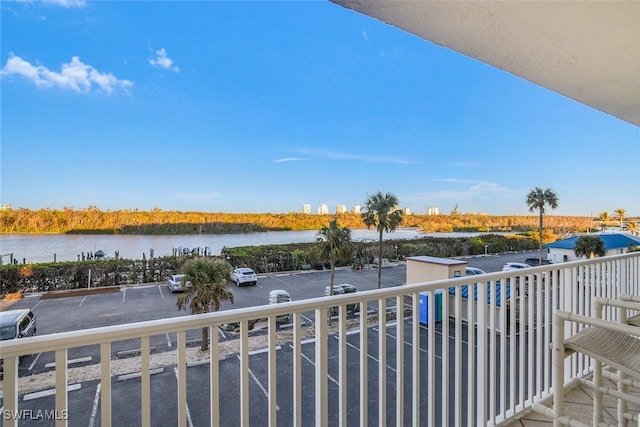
587	51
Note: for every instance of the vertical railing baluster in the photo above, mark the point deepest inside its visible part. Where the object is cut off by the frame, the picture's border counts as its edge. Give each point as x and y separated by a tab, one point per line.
457	326
472	366
214	377
446	372
481	360
364	372
10	387
182	377
322	371
273	372
415	359
297	369
105	383
62	395
399	361
145	381
244	373
431	360
490	305
382	362
342	368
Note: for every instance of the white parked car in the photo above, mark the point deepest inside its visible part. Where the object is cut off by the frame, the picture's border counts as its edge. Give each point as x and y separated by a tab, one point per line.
244	276
511	266
176	283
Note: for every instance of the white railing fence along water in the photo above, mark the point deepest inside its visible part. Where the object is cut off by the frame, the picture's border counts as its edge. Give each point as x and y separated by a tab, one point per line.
448	352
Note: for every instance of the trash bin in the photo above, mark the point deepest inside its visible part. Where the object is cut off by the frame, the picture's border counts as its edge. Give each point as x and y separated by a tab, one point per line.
278	296
424	307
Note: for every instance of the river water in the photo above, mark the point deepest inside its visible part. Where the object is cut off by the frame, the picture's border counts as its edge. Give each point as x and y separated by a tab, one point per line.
70	247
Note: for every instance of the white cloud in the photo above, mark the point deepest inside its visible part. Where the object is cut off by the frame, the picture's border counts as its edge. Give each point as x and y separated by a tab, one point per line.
290	159
336	155
475	190
74	75
163	61
67	3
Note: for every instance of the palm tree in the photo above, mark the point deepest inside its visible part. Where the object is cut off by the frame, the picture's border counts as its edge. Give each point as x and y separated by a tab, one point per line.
620	212
334	244
381	211
604	219
209	280
536	200
589	246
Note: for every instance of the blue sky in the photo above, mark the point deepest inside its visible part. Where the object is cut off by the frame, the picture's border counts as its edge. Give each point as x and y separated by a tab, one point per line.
265	106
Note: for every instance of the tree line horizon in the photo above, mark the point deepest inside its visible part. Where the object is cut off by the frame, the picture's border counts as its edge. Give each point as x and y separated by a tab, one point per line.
95	221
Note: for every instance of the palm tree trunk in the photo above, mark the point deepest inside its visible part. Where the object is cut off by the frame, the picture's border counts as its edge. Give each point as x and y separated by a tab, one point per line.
540	239
205	339
380	260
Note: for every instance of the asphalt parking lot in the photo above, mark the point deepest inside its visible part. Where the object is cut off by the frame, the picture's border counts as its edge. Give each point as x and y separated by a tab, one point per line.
154	301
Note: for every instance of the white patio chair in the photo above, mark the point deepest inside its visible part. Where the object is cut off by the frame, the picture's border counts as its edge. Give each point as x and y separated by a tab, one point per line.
613	344
628	311
634	319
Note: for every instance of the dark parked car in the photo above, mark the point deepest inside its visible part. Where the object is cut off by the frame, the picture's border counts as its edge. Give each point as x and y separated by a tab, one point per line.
534	262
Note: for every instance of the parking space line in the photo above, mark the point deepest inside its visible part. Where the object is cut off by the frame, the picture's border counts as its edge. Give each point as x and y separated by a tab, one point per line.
368	355
160	290
70	362
124	294
168	340
132	375
189	422
49	392
82	300
34	362
313	363
262	350
94	409
264	390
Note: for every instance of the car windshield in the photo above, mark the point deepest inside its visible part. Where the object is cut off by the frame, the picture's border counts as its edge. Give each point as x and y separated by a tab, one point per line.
7	332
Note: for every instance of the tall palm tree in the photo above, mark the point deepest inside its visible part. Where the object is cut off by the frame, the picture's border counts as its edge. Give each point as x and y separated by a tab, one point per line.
537	199
604	219
381	211
209	281
334	244
589	246
620	213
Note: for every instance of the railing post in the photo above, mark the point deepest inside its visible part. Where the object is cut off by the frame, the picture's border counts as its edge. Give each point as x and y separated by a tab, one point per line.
321	367
62	395
10	384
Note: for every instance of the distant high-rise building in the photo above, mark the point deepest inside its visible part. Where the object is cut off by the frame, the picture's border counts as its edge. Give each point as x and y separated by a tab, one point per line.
433	210
323	209
306	208
340	209
406	211
356	209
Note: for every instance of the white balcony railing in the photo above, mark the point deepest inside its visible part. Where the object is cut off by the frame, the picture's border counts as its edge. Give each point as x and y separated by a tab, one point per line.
381	366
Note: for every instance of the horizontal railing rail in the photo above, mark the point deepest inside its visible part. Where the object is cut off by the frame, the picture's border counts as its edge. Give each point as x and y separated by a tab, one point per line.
464	351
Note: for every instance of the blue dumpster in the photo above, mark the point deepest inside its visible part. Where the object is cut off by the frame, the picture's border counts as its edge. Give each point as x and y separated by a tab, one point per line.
424	307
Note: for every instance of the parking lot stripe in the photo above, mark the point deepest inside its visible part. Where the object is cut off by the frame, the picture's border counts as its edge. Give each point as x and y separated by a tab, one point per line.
189	421
94	409
313	363
50	392
160	290
261	386
82	300
35	359
124	294
262	350
70	362
132	375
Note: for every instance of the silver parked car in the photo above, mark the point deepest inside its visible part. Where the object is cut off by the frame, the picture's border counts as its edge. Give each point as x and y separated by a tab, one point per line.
176	283
244	276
